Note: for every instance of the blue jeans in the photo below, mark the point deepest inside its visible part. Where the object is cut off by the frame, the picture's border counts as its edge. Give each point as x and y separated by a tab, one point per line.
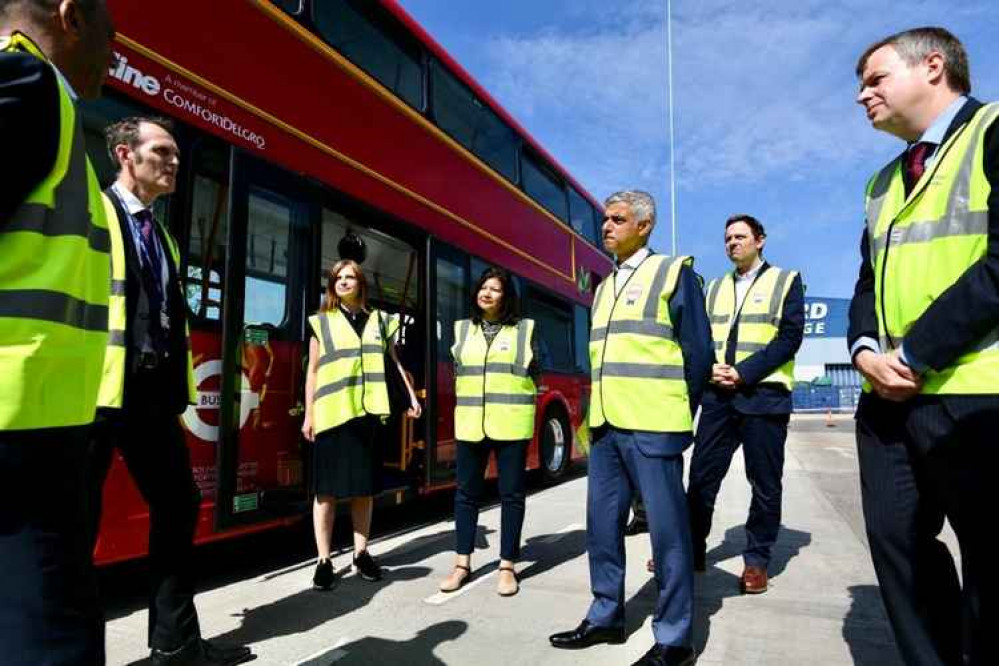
511	459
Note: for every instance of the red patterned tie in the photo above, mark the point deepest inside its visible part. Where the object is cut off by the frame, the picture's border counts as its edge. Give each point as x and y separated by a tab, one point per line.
915	163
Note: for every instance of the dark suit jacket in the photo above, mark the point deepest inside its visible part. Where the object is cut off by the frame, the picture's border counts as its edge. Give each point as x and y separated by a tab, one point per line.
175	392
752	397
29	126
967	310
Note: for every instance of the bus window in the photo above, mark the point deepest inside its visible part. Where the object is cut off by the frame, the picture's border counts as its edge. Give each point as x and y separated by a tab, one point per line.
363	34
471	123
581	326
291	6
581	215
543	186
206	247
555	331
268	235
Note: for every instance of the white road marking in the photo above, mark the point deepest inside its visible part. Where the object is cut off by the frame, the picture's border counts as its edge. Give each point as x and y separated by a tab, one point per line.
444	597
327	655
846	453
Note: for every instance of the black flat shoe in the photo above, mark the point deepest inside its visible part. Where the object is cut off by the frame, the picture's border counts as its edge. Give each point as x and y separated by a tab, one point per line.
366	567
325	577
668	655
585	635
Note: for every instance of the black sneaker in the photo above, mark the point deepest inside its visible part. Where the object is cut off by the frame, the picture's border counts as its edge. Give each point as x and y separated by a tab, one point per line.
367	567
325	576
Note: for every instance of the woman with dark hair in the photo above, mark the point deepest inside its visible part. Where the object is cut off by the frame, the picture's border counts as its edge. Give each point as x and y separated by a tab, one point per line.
345	395
496	371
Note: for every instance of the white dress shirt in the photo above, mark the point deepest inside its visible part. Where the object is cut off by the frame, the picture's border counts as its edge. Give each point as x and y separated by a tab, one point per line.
744	281
623	271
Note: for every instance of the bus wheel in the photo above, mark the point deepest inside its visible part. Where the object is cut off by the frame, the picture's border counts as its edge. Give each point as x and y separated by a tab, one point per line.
554	446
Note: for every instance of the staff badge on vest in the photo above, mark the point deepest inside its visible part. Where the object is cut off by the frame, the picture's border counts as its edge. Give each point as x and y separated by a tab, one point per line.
504	346
632	294
758	298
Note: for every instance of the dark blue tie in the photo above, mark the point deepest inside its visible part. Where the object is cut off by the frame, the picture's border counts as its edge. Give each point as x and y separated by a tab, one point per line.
151	266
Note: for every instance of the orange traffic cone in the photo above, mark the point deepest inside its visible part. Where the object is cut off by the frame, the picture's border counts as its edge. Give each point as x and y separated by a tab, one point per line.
829	420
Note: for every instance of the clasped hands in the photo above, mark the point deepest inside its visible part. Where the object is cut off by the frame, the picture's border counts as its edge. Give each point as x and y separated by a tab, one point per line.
725	376
889	376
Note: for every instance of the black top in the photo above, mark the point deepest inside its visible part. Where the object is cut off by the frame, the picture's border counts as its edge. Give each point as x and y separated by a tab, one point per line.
29	126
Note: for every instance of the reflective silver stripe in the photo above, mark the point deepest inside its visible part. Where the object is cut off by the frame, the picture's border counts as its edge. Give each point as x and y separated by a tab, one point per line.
328	348
755	318
641	370
651	328
521	350
54	307
338	354
116	338
462	336
719	345
777	297
337	386
54	222
476	370
751	347
658	283
372	349
495	399
117	287
876	198
723	319
374	376
953	224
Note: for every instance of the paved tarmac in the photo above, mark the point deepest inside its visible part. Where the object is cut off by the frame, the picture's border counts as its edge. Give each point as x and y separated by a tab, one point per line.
823	607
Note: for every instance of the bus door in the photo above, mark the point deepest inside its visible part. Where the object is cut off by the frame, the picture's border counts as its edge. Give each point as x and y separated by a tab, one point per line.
390	257
259	469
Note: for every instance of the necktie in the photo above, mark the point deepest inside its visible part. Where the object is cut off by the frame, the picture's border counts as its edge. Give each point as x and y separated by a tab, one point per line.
915	163
152	268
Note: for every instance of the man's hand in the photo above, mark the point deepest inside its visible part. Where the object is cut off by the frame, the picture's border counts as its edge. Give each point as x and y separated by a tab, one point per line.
725	376
891	379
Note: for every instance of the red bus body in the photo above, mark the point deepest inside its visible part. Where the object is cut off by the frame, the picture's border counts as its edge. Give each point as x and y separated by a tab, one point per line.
274	92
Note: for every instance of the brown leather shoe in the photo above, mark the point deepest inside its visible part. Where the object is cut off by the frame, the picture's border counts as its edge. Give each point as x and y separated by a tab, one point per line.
753	580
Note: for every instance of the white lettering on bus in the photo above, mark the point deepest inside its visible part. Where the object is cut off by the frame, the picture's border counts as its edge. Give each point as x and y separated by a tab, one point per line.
224	123
129	75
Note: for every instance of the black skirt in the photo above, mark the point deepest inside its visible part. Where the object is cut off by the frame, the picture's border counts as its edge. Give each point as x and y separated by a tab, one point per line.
346	460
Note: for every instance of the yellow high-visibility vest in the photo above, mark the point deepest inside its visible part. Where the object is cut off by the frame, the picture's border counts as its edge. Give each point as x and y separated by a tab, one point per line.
637	365
922	243
494	395
54	285
113	381
350	380
759	317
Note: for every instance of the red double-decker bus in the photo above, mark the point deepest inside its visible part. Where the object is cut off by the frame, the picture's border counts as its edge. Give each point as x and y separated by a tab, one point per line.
300	123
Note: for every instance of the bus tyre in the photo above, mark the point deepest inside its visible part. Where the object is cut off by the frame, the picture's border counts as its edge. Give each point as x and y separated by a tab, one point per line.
555	446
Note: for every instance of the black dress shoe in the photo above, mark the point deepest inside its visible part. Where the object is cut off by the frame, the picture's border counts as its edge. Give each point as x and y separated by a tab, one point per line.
585	635
700	559
668	655
202	653
636	526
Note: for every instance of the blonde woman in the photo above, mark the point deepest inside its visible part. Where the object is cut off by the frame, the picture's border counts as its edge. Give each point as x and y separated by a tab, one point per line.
345	395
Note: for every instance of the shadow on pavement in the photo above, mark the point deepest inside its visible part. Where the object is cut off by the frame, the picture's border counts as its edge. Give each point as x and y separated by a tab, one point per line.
867	631
418	651
551	550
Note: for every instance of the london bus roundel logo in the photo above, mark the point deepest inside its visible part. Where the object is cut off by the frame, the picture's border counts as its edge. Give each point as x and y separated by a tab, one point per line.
202	419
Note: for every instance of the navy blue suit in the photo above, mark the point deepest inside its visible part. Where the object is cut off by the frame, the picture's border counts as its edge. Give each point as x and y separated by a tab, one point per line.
756	415
623	462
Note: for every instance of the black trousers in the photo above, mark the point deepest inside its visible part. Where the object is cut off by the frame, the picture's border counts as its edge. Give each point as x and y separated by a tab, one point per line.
152	443
49	613
922	461
720	431
473	458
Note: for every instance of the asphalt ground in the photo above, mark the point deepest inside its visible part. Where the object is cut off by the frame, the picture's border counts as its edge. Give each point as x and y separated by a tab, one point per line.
823	605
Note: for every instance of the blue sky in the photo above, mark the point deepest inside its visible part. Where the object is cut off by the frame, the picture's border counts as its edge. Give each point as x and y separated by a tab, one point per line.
765	119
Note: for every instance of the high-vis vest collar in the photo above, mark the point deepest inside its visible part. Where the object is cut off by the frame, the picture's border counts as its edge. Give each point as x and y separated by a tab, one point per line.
54	286
350	380
494	395
921	243
759	317
637	365
113	381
